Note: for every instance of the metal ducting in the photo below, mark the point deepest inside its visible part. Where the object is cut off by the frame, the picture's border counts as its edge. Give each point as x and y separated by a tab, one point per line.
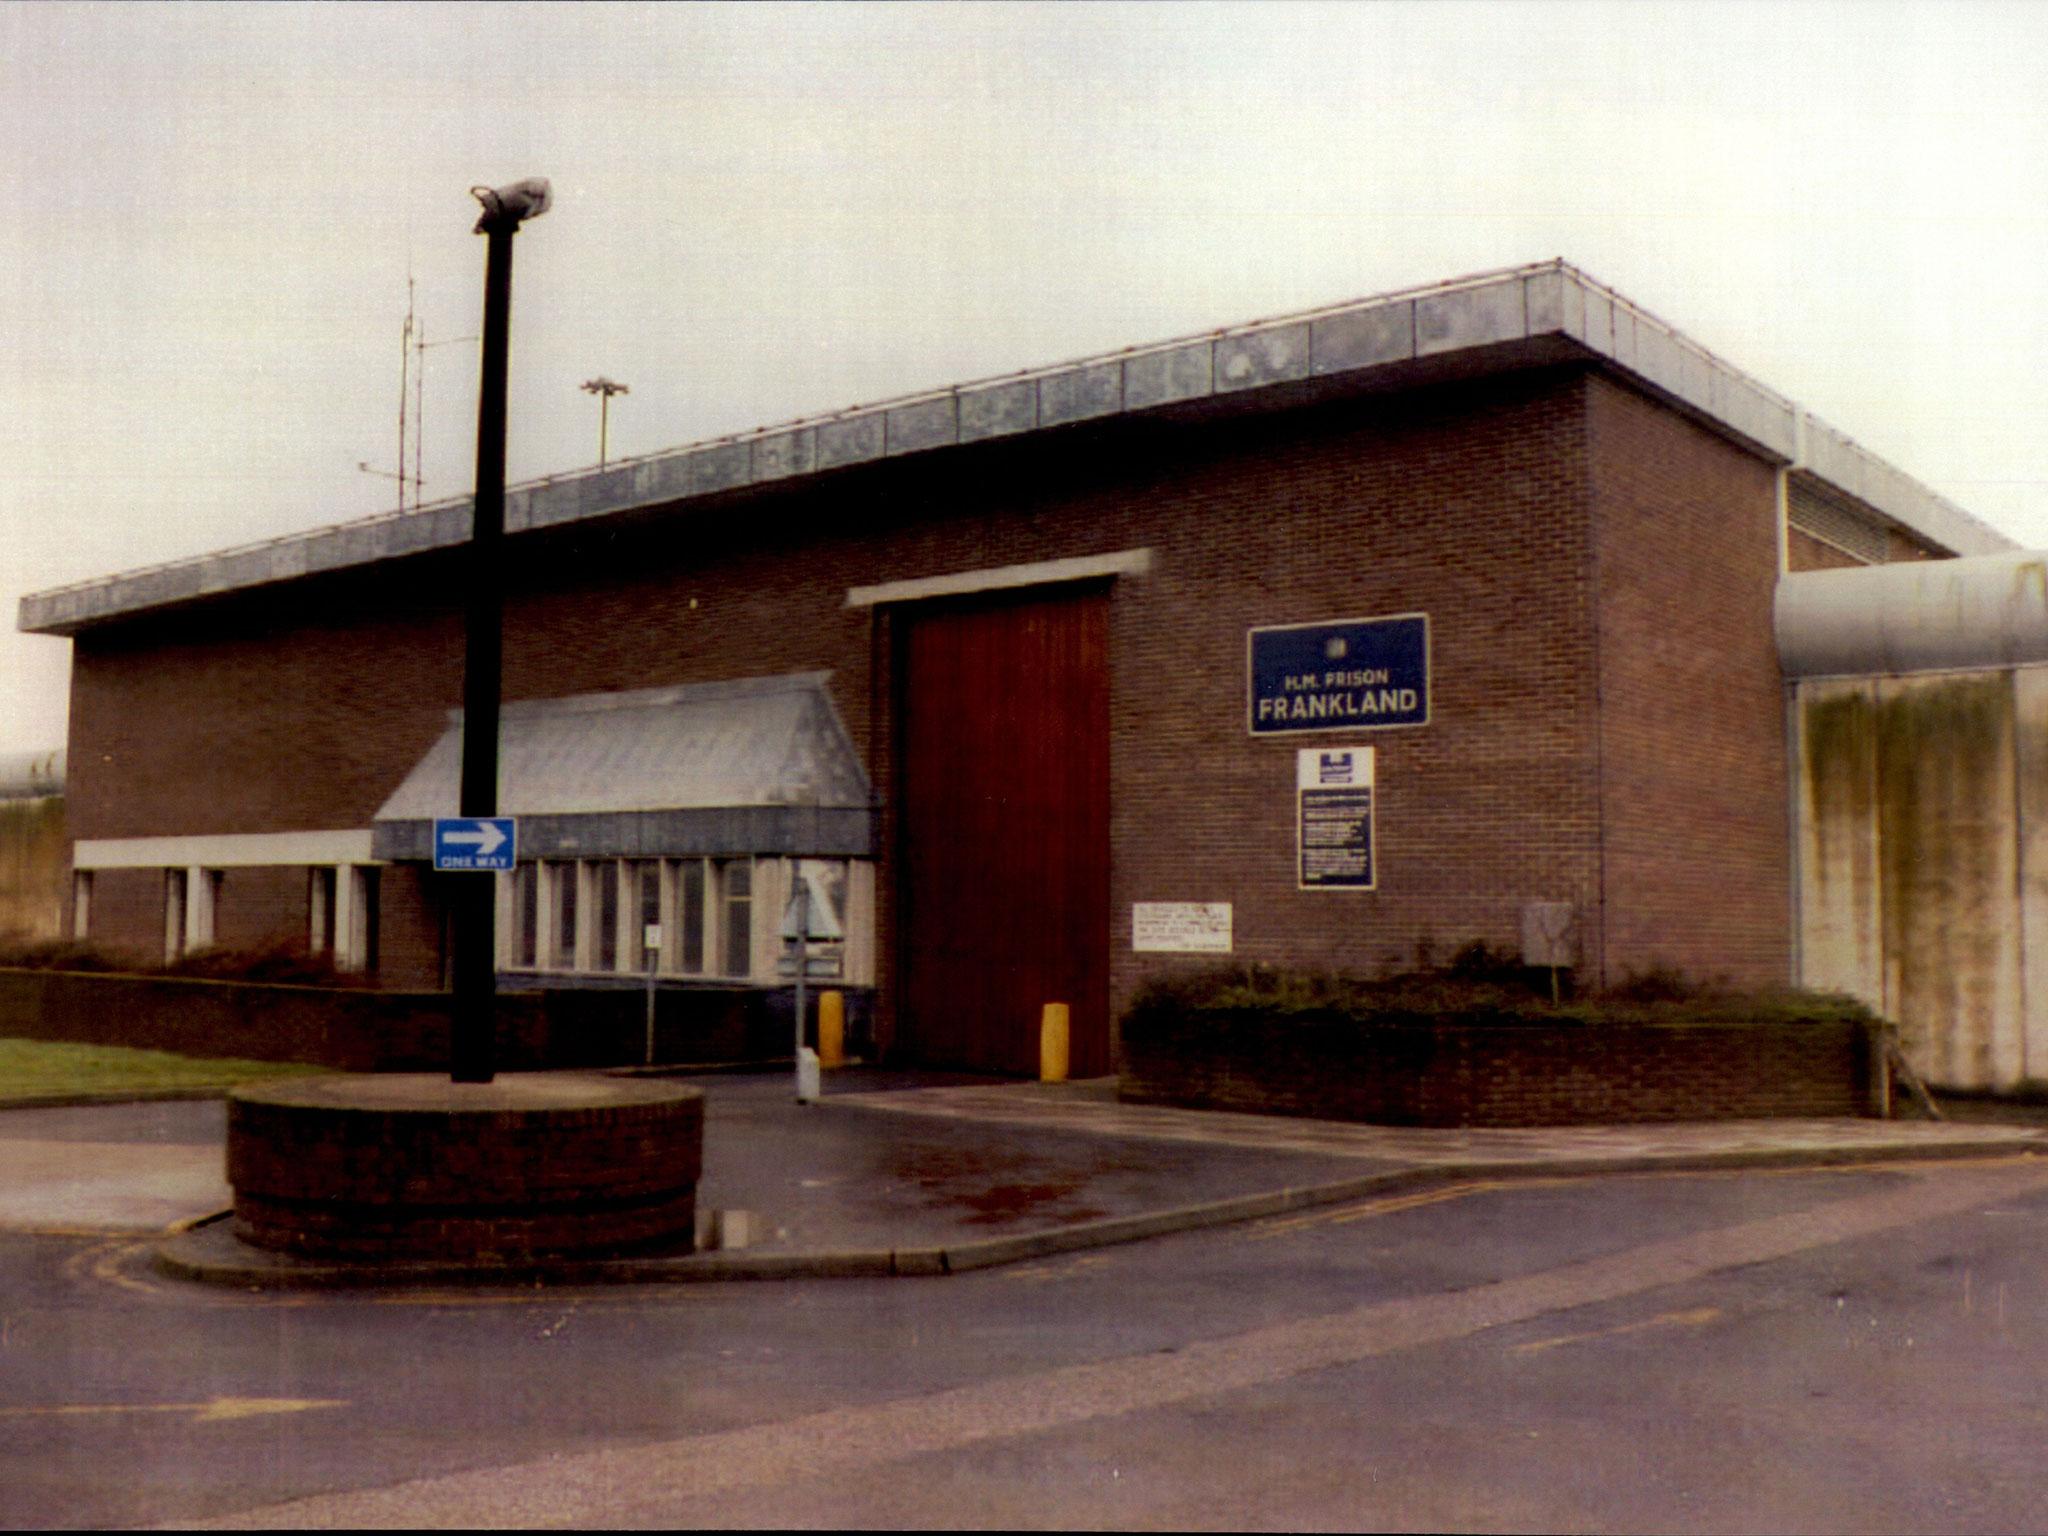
1915	616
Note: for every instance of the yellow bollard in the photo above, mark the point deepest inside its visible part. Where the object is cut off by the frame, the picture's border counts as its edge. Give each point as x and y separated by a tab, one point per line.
1052	1044
831	1029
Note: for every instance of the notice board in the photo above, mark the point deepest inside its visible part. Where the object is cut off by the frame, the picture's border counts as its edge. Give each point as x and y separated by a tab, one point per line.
1333	795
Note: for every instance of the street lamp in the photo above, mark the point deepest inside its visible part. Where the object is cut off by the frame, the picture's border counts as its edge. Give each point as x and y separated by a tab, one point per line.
605	388
472	1047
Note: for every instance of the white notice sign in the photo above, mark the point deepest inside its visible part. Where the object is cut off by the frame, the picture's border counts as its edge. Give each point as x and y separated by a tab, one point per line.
1181	927
1333	794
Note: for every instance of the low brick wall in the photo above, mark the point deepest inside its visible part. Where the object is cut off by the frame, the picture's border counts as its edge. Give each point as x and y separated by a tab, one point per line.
1509	1074
364	1030
402	1166
350	1029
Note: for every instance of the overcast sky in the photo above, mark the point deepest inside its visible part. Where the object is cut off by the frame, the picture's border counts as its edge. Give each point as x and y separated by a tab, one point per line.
208	217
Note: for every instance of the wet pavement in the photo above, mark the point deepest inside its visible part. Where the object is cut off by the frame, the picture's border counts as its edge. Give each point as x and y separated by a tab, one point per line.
898	1173
1092	1108
838	1175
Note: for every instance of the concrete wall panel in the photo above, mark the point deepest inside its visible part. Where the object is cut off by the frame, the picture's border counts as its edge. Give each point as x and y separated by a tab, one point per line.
1470	317
998	411
1263	357
2030	732
1160	378
926	424
851	440
1364	338
782	454
1080	394
1949	855
1841	930
35	867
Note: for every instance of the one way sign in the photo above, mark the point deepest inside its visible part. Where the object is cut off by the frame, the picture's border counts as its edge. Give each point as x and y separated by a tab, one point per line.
475	842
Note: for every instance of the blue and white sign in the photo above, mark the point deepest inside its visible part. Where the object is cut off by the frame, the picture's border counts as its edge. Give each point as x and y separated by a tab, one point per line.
475	842
1348	675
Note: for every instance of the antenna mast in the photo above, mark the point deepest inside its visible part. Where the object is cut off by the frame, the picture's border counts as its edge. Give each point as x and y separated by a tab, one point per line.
405	349
412	401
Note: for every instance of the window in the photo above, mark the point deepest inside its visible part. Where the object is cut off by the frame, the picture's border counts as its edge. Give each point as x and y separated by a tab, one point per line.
647	882
369	888
174	913
205	901
690	917
825	882
526	917
594	915
320	884
736	915
81	904
562	929
607	877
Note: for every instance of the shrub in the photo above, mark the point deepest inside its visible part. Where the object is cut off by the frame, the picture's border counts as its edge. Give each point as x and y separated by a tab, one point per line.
1659	984
1478	985
285	963
57	955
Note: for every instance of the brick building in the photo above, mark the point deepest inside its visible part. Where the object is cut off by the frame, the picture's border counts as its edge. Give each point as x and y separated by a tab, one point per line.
1014	675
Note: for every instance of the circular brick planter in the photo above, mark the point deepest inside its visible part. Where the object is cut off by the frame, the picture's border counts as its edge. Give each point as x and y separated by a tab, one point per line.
407	1166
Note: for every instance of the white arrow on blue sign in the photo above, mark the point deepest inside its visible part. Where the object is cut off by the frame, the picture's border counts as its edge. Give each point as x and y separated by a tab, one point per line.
475	842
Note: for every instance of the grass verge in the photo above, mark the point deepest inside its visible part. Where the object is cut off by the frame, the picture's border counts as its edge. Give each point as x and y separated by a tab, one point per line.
32	1071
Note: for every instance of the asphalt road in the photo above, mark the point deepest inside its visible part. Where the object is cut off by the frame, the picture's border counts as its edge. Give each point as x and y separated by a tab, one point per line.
1794	1351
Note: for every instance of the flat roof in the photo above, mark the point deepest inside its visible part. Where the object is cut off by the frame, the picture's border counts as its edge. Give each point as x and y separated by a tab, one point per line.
1495	321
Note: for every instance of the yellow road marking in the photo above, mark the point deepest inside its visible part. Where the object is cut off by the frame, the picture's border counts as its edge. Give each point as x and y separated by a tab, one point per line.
1283	1226
1059	1271
1695	1317
213	1411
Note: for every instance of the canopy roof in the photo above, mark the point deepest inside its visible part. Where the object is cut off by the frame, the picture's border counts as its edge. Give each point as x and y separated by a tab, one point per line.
759	765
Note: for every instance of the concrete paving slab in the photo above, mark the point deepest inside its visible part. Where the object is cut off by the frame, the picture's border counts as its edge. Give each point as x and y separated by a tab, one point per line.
1092	1109
84	1186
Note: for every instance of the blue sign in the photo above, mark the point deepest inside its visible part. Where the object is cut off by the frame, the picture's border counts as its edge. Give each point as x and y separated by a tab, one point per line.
475	842
1351	675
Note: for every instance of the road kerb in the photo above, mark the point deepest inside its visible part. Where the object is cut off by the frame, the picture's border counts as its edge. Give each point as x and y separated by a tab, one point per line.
206	1251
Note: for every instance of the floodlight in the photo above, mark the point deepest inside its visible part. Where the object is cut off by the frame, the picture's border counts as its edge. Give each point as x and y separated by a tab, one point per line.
508	207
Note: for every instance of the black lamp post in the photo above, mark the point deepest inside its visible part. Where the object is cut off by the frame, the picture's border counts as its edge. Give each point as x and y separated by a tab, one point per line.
475	905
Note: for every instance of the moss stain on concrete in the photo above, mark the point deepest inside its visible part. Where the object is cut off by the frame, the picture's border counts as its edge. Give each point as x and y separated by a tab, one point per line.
1840	939
1948	844
33	857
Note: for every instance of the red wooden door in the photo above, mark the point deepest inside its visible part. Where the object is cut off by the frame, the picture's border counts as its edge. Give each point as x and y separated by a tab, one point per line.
1003	854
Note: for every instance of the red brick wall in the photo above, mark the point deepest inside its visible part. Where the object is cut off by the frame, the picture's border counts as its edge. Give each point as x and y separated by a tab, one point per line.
1526	1073
1900	545
411	936
127	913
1695	836
257	907
1804	552
1467	502
1465	505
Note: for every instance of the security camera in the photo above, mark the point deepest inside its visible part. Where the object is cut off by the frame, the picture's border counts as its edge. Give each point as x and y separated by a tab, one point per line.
508	207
